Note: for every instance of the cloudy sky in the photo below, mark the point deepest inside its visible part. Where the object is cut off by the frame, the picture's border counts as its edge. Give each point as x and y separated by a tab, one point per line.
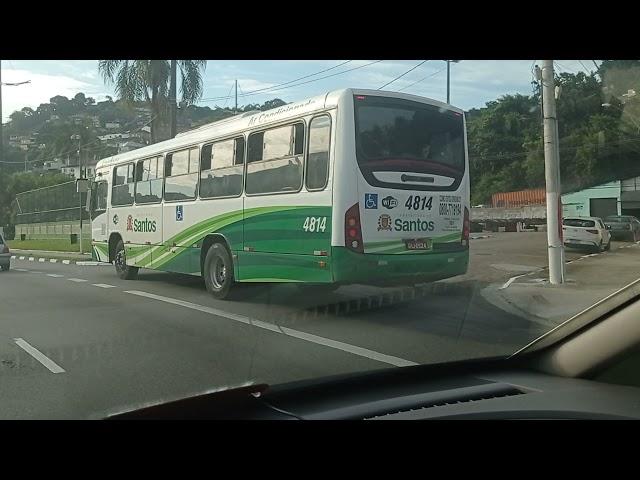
473	82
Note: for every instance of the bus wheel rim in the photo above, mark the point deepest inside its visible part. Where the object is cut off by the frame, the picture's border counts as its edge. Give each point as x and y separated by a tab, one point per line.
120	261
218	273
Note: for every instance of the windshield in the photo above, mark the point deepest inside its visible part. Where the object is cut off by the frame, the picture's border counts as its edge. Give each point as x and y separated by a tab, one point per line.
577	222
287	220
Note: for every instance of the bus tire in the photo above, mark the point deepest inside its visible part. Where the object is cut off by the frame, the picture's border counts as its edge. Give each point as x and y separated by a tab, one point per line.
124	271
218	271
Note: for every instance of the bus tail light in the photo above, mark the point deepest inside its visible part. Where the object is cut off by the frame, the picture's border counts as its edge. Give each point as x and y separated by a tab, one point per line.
466	228
353	230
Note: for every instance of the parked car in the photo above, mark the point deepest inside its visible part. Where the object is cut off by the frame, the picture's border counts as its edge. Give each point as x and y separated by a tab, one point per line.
5	254
586	232
623	227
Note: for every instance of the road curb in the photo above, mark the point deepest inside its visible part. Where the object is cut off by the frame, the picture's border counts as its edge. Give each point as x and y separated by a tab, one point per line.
58	260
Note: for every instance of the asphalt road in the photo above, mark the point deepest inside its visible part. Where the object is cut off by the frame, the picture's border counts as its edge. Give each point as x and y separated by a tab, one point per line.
77	342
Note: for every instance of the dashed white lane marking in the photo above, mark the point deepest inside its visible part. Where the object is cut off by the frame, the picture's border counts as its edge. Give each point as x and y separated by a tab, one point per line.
35	271
510	281
39	356
103	285
31	259
91	264
327	342
13	257
77	280
21	258
53	260
54	275
42	260
21	270
66	262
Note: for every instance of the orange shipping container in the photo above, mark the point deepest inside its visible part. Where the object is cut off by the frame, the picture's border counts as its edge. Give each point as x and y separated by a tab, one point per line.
519	199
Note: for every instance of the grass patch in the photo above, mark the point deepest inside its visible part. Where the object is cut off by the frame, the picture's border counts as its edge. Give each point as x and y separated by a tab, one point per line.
54	245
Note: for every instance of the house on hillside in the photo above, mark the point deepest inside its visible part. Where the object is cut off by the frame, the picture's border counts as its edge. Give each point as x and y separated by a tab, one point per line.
130	145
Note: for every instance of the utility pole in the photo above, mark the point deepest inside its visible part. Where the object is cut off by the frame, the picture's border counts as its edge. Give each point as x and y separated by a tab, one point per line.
1	118
172	98
78	137
449	62
552	176
448	80
236	109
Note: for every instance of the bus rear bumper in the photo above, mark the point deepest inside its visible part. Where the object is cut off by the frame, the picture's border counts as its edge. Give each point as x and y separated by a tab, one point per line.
379	269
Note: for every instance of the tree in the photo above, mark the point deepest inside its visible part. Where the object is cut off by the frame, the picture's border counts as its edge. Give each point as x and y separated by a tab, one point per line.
149	81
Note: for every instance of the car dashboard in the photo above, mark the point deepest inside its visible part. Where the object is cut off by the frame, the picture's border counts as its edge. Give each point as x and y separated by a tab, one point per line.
413	393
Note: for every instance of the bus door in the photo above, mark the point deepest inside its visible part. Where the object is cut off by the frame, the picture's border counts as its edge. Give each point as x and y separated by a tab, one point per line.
99	215
147	219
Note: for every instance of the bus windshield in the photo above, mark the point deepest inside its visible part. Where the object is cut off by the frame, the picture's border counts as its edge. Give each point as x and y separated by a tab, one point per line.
404	136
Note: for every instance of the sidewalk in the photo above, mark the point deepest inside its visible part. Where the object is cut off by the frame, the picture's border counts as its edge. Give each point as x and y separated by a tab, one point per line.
589	279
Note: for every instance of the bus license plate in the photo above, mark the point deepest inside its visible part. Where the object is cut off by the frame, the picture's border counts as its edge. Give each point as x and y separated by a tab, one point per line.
418	244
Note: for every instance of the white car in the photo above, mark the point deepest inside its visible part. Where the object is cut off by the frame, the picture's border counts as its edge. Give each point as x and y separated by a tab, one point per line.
586	232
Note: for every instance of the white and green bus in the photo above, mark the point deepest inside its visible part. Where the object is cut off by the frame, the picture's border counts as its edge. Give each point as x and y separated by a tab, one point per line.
355	186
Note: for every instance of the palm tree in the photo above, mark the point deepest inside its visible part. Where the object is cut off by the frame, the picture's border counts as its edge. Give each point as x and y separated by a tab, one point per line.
152	81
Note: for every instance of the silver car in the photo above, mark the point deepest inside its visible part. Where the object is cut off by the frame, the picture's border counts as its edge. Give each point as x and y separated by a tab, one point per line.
623	227
5	254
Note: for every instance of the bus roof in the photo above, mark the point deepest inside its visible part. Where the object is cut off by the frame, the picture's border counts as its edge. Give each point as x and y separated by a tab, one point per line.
246	120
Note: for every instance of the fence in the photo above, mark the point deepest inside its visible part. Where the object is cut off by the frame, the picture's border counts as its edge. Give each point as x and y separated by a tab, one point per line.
51	212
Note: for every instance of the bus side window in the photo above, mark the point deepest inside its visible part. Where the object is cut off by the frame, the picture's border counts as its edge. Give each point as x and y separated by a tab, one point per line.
149	178
221	170
123	185
274	160
318	154
181	175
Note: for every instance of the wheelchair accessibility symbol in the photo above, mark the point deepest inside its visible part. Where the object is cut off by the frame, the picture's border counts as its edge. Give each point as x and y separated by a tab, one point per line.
370	201
179	213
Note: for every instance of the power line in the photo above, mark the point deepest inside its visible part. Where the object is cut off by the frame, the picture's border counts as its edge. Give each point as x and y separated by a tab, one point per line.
400	76
562	149
583	66
422	79
228	96
565	68
255	92
285	83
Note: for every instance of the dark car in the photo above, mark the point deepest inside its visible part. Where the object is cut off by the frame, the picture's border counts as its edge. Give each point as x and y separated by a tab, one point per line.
5	254
623	227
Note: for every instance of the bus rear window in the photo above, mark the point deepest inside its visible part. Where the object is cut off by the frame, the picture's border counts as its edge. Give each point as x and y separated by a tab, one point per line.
577	222
397	135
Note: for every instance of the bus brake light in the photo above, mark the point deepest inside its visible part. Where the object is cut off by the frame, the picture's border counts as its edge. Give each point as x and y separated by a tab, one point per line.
352	230
466	228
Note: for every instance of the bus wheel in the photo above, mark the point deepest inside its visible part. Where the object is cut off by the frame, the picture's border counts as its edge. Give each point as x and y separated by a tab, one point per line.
124	271
218	271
